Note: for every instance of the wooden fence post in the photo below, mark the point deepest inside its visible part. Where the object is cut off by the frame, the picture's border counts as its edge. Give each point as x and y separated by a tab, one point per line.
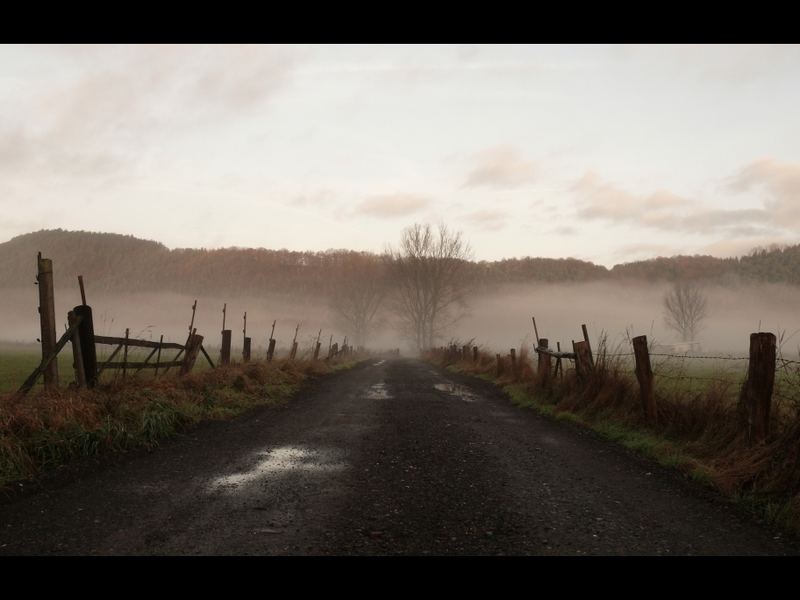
756	396
588	346
158	356
192	351
225	351
88	348
125	354
644	373
47	317
583	362
246	350
474	354
293	352
316	350
271	349
544	362
499	365
80	373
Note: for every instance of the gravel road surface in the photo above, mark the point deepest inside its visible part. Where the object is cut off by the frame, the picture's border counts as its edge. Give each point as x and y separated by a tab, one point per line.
392	457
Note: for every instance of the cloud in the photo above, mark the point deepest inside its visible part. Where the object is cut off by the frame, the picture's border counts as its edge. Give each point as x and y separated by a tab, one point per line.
501	167
487	220
663	210
600	199
116	103
388	206
778	181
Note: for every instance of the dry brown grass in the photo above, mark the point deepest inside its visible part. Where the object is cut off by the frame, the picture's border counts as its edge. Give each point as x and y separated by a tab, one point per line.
48	428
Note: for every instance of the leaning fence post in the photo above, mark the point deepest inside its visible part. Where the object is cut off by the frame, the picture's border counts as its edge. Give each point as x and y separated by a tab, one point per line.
756	396
158	356
271	346
192	350
644	373
47	317
588	345
77	355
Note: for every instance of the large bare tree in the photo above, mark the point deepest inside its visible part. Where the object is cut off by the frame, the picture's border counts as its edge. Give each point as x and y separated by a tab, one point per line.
427	271
357	297
685	307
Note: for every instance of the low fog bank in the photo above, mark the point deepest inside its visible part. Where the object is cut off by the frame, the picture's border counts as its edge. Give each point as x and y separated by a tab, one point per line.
498	320
503	319
150	314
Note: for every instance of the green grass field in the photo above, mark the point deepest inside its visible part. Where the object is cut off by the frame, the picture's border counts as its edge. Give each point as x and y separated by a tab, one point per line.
17	361
686	378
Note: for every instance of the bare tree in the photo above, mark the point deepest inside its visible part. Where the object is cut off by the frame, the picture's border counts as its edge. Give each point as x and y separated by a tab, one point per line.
685	307
358	295
427	270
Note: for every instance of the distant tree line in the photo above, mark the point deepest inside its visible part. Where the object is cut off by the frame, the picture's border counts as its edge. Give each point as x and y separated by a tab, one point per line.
125	263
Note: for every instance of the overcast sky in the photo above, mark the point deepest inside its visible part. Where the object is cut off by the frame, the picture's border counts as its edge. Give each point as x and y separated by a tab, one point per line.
605	153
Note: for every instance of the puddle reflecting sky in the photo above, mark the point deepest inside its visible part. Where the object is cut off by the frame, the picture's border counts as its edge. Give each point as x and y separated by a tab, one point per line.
455	389
284	460
378	391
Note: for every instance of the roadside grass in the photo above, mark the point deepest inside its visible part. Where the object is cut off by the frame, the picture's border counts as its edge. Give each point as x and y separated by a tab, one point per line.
46	429
698	430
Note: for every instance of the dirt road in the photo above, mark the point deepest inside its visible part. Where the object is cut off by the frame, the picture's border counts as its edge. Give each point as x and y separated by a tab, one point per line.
393	457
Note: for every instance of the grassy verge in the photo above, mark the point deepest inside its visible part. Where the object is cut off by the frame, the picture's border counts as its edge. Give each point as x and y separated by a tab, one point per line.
43	430
700	436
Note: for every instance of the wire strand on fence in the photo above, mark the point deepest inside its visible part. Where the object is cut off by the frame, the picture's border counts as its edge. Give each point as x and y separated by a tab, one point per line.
689	377
690	356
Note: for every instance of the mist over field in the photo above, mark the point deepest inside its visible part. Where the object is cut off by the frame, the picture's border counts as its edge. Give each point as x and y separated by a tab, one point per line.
150	314
497	319
503	319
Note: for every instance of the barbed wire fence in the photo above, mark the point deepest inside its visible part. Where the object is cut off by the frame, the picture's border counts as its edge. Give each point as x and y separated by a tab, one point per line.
763	382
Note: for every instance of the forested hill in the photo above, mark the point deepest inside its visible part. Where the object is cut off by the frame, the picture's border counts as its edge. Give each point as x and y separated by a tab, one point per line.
124	263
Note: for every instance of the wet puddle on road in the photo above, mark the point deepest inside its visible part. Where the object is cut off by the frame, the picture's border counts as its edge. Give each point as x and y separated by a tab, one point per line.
378	391
458	390
285	459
